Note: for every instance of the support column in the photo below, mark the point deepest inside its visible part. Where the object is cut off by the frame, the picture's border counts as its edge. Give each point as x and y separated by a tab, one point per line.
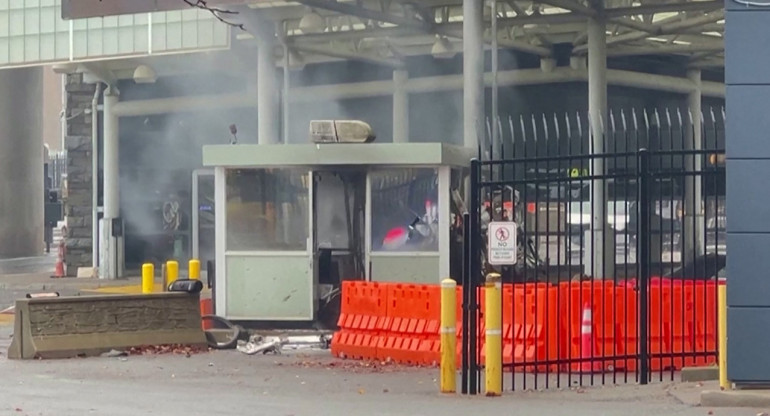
601	244
693	201
400	107
111	225
267	114
21	163
473	72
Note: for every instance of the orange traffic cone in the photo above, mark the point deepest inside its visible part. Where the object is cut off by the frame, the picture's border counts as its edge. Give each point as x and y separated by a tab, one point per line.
587	343
59	272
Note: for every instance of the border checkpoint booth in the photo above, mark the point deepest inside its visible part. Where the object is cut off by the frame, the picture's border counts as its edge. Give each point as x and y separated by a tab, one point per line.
298	219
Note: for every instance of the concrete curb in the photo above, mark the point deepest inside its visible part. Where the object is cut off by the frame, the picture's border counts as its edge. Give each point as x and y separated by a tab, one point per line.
735	398
695	374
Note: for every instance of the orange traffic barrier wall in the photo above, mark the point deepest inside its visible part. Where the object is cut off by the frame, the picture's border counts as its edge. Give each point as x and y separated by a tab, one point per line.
362	318
411	328
542	324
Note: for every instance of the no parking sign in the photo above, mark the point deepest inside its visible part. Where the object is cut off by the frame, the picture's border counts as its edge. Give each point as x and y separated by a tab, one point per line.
501	248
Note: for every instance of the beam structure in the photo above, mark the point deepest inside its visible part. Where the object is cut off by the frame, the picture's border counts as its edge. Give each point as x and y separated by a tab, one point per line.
420	85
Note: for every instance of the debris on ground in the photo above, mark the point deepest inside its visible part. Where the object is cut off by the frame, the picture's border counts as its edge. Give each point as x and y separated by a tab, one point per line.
258	343
176	349
114	353
301	342
275	345
387	366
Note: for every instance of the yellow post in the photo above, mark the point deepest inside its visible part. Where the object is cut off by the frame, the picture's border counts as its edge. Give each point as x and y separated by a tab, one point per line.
172	272
493	318
448	336
722	300
194	266
148	278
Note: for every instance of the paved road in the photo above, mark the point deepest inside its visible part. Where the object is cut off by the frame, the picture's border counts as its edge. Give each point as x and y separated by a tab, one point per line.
231	383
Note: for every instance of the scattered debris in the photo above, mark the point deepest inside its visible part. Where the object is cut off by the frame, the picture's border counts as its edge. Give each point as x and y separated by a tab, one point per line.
356	366
114	353
307	342
167	349
258	343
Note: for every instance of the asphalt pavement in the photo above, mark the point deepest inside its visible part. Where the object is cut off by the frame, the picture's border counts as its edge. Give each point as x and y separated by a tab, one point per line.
297	383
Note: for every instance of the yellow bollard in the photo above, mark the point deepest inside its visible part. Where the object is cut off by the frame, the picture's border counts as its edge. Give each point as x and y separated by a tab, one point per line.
493	319
448	336
194	267
148	278
722	305
172	272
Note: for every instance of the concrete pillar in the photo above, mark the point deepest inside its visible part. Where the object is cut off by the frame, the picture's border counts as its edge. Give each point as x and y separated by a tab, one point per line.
600	245
400	107
473	72
112	261
267	103
111	156
693	201
21	162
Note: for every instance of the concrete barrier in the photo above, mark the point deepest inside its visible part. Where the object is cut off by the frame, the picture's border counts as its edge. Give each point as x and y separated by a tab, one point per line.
77	326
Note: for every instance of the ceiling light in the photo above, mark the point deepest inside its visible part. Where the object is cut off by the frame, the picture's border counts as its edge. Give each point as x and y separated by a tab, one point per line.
312	23
442	49
143	74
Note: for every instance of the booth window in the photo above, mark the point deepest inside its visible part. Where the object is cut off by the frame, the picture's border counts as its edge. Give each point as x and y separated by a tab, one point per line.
405	210
267	210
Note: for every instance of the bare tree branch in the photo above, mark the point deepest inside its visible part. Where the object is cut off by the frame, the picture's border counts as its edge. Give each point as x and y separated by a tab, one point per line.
215	11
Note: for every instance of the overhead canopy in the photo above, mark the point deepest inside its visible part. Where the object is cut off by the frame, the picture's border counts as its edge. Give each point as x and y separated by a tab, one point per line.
386	31
338	154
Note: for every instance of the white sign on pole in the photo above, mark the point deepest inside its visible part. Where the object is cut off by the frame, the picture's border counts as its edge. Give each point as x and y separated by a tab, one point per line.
501	248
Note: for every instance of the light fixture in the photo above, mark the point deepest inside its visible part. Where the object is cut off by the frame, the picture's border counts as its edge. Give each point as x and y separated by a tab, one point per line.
312	23
144	74
442	49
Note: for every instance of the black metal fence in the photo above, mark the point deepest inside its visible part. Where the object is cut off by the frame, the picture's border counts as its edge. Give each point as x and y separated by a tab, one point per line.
618	291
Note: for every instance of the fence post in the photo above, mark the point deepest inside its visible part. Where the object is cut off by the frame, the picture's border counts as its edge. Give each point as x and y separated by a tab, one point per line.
448	336
465	353
643	249
172	272
724	383
493	317
194	269
148	278
473	273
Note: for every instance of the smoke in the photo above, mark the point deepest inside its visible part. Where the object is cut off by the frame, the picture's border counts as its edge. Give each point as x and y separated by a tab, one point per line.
159	153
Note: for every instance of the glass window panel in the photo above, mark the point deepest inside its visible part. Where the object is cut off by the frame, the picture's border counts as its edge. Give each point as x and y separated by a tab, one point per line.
32	21
405	210
267	210
17	22
48	20
5	23
31	48
48	47
4	44
62	45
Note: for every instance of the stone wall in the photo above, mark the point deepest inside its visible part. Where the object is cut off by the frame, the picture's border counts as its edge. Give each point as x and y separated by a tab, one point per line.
84	315
76	326
77	200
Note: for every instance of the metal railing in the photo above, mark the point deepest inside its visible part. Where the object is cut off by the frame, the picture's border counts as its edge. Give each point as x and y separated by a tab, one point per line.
643	265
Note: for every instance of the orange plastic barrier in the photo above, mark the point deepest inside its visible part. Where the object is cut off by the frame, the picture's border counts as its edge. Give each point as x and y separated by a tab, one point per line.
610	317
542	323
411	328
362	316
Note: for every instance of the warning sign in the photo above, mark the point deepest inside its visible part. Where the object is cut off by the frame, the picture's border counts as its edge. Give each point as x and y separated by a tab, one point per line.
502	243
